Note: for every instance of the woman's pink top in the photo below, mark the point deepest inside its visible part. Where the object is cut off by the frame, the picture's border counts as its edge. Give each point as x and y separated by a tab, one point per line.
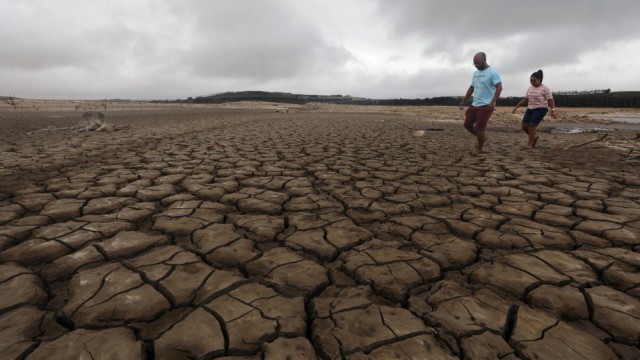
538	97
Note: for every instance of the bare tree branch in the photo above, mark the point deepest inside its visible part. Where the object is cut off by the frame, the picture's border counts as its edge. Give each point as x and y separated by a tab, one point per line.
13	101
588	142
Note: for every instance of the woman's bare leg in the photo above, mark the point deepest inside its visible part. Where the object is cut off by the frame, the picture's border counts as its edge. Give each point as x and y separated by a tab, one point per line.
533	134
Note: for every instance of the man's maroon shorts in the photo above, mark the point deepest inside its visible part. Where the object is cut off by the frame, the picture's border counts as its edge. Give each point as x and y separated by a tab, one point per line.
478	115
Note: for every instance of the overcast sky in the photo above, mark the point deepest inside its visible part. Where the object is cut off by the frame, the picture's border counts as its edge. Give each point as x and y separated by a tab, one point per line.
168	49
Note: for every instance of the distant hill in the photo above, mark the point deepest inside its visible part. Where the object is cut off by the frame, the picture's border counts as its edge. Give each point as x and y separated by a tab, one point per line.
290	98
271	97
596	98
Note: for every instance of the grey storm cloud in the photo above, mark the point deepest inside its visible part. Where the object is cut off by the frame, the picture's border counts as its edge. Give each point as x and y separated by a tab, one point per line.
149	49
249	41
269	41
33	41
543	32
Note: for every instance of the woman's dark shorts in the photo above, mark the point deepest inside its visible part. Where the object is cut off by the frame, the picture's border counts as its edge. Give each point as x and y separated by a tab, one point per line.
534	116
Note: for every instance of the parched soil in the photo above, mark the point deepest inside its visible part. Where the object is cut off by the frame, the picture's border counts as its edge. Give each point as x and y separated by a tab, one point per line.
259	232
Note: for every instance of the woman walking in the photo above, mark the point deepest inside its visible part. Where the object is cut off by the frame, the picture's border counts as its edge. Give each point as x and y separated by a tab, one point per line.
539	101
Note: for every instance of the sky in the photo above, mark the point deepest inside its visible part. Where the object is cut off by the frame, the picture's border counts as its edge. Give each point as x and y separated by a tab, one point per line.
175	49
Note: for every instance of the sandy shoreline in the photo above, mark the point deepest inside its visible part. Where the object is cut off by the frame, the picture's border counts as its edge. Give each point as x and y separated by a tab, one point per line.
35	115
434	112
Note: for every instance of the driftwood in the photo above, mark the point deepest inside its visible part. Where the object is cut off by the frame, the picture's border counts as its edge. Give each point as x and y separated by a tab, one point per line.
588	142
49	128
614	141
91	121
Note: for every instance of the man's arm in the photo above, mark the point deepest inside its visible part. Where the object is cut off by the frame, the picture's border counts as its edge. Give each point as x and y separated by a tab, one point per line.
492	104
466	96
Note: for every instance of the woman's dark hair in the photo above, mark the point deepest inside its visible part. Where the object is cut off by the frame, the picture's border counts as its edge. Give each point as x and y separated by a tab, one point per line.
537	75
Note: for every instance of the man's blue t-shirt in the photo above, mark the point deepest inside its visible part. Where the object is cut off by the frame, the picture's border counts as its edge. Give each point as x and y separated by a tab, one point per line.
484	85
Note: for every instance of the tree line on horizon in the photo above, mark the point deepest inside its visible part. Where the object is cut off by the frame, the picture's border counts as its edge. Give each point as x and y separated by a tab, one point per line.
591	98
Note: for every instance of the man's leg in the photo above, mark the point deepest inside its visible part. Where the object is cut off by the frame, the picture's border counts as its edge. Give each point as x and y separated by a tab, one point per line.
481	124
481	139
470	128
470	119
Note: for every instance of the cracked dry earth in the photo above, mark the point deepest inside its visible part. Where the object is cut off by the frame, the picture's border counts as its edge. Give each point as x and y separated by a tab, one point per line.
211	234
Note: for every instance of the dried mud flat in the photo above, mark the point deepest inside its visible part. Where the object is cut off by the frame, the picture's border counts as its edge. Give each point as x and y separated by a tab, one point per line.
330	233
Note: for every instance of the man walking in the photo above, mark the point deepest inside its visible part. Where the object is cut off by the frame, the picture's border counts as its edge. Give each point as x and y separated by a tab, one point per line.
486	87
